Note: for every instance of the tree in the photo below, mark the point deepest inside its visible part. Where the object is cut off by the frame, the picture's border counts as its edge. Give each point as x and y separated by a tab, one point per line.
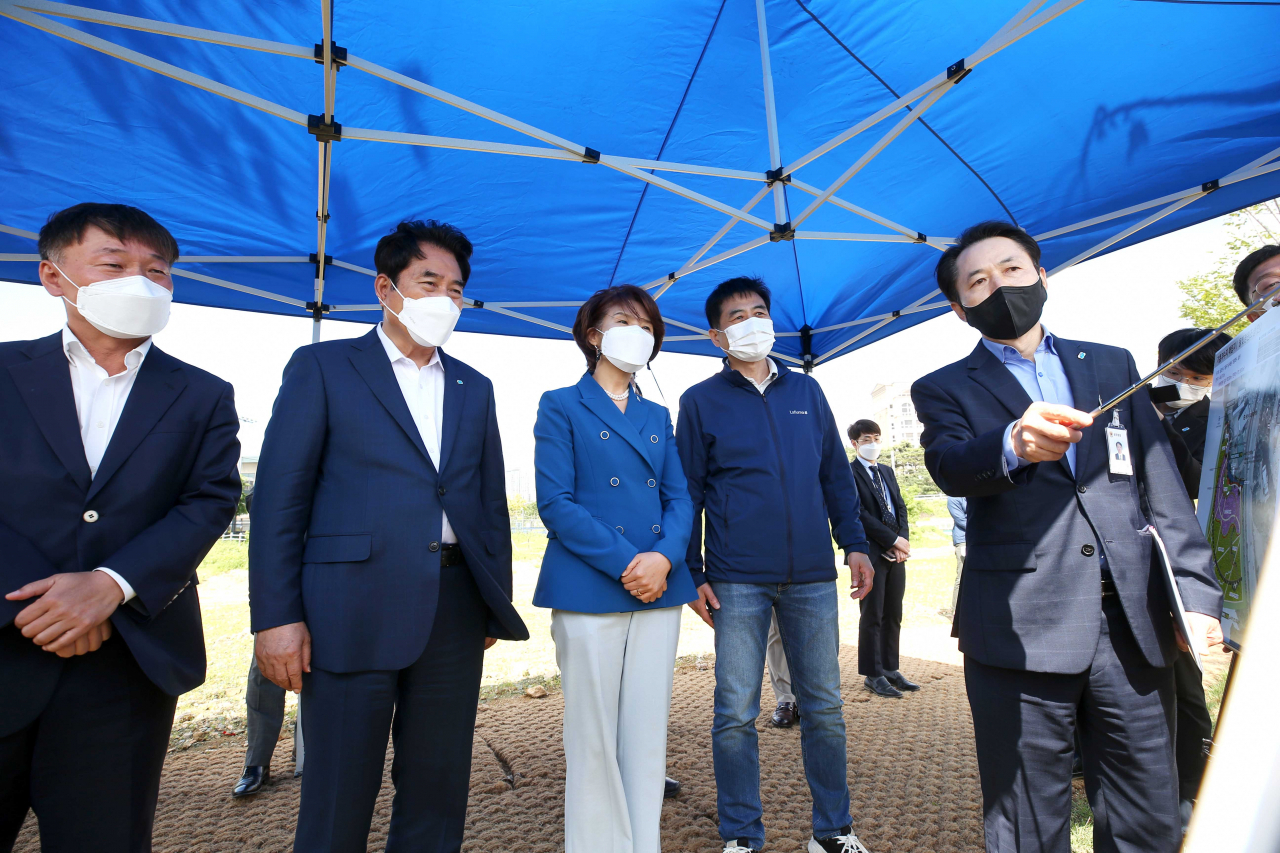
1211	300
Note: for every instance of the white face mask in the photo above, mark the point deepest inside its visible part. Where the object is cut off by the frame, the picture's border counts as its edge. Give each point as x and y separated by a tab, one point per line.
869	452
628	348
1187	394
750	340
130	307
429	320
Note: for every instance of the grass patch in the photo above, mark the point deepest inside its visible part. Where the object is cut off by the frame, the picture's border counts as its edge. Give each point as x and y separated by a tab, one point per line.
1081	819
227	555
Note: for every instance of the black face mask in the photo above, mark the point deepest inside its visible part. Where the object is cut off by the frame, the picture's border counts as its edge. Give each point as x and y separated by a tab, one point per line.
1009	312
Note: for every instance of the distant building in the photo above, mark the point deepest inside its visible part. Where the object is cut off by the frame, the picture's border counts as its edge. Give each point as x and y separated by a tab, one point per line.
248	470
892	409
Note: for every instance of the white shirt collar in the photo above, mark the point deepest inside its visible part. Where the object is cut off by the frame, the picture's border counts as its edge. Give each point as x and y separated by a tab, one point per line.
773	374
393	351
865	463
75	350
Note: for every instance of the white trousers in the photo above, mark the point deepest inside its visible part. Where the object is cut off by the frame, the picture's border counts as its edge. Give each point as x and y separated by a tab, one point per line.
779	672
616	671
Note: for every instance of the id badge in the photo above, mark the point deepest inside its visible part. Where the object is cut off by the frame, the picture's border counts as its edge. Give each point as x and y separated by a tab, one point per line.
1120	460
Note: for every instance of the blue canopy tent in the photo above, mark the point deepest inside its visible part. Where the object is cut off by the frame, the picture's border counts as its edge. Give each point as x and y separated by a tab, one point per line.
833	148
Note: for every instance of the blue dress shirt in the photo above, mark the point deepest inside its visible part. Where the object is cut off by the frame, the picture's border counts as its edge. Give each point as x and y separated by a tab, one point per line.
1044	380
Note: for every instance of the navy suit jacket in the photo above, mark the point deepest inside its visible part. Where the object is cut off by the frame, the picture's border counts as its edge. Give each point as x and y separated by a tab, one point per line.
880	534
1030	593
165	491
347	508
610	486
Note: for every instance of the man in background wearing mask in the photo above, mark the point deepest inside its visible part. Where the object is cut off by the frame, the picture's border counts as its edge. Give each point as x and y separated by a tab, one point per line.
117	475
767	469
1063	618
380	561
884	518
1185	419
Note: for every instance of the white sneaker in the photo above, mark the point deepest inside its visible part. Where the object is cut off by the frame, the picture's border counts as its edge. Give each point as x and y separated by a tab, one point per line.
842	842
734	847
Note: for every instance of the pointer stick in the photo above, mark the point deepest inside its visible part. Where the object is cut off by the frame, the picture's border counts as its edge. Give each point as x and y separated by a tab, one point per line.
1132	389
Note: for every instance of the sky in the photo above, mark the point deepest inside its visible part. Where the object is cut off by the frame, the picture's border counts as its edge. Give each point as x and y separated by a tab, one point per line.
1128	298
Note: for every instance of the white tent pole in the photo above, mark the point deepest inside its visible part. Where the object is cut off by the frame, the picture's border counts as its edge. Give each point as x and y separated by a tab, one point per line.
864	320
771	116
701	265
855	237
895	315
6	256
163	68
707	201
244	259
1159	214
939	243
868	155
326	164
664	284
147	25
1253	170
499	310
275	297
18	232
1012	34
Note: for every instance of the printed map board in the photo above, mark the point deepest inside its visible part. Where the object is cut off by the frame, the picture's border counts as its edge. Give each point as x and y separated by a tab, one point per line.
1238	484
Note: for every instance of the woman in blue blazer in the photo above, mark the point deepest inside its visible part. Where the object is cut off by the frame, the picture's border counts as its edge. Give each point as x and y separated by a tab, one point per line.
612	494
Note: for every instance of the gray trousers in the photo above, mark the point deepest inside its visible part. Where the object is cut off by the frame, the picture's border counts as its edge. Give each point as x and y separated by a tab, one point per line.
264	708
779	672
955	590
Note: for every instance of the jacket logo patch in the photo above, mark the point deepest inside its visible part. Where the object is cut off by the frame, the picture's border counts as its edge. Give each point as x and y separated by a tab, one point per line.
799	412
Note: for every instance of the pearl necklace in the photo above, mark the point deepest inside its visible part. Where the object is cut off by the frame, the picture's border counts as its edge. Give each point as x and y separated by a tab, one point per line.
618	398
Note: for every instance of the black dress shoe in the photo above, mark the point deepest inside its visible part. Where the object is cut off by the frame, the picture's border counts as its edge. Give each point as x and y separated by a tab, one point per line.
881	687
785	715
251	782
670	788
898	680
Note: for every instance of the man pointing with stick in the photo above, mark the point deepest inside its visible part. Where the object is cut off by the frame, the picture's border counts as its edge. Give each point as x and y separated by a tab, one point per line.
1063	616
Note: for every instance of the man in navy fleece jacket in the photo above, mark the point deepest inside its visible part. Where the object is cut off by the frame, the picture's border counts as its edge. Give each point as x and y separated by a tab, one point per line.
767	468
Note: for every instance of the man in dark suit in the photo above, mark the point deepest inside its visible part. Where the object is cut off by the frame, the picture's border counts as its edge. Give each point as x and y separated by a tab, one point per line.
1063	616
1185	419
884	517
380	561
117	475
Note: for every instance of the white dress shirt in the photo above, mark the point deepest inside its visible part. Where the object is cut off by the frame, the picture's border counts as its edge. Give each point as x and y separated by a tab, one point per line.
423	390
99	401
773	374
884	487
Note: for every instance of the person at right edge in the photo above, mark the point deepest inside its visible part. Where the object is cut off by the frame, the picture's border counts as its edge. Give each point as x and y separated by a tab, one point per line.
1063	619
767	468
1185	420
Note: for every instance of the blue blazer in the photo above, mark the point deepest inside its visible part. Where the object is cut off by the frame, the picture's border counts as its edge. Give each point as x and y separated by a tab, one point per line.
610	486
166	490
1029	595
347	508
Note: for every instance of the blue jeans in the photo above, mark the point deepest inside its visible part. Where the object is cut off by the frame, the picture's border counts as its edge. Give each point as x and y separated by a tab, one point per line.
809	624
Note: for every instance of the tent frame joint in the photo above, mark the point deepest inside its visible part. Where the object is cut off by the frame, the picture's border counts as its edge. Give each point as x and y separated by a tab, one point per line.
318	309
315	259
782	231
1209	186
590	155
338	55
774	175
921	237
324	131
957	72
477	303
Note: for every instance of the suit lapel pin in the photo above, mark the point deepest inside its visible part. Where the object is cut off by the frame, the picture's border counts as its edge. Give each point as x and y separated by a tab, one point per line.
1080	355
459	381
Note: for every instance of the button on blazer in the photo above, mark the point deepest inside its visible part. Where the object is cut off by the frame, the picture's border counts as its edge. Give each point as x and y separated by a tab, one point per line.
610	486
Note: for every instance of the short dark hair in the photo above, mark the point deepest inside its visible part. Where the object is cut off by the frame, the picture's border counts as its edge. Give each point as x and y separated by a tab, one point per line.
726	290
863	427
945	272
1200	361
591	314
404	245
66	228
1253	260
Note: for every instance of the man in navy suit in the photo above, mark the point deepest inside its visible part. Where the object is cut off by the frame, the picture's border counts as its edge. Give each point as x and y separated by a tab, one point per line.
117	475
1063	616
380	561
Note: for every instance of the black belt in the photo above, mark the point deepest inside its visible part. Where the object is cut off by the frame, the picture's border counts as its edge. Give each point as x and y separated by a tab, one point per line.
451	555
1109	587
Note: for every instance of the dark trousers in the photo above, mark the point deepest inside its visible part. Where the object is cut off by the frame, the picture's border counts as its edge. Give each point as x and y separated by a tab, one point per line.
1024	724
429	709
1194	725
89	765
264	711
881	621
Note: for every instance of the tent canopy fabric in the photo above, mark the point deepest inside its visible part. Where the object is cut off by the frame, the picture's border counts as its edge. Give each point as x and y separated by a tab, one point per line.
832	148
